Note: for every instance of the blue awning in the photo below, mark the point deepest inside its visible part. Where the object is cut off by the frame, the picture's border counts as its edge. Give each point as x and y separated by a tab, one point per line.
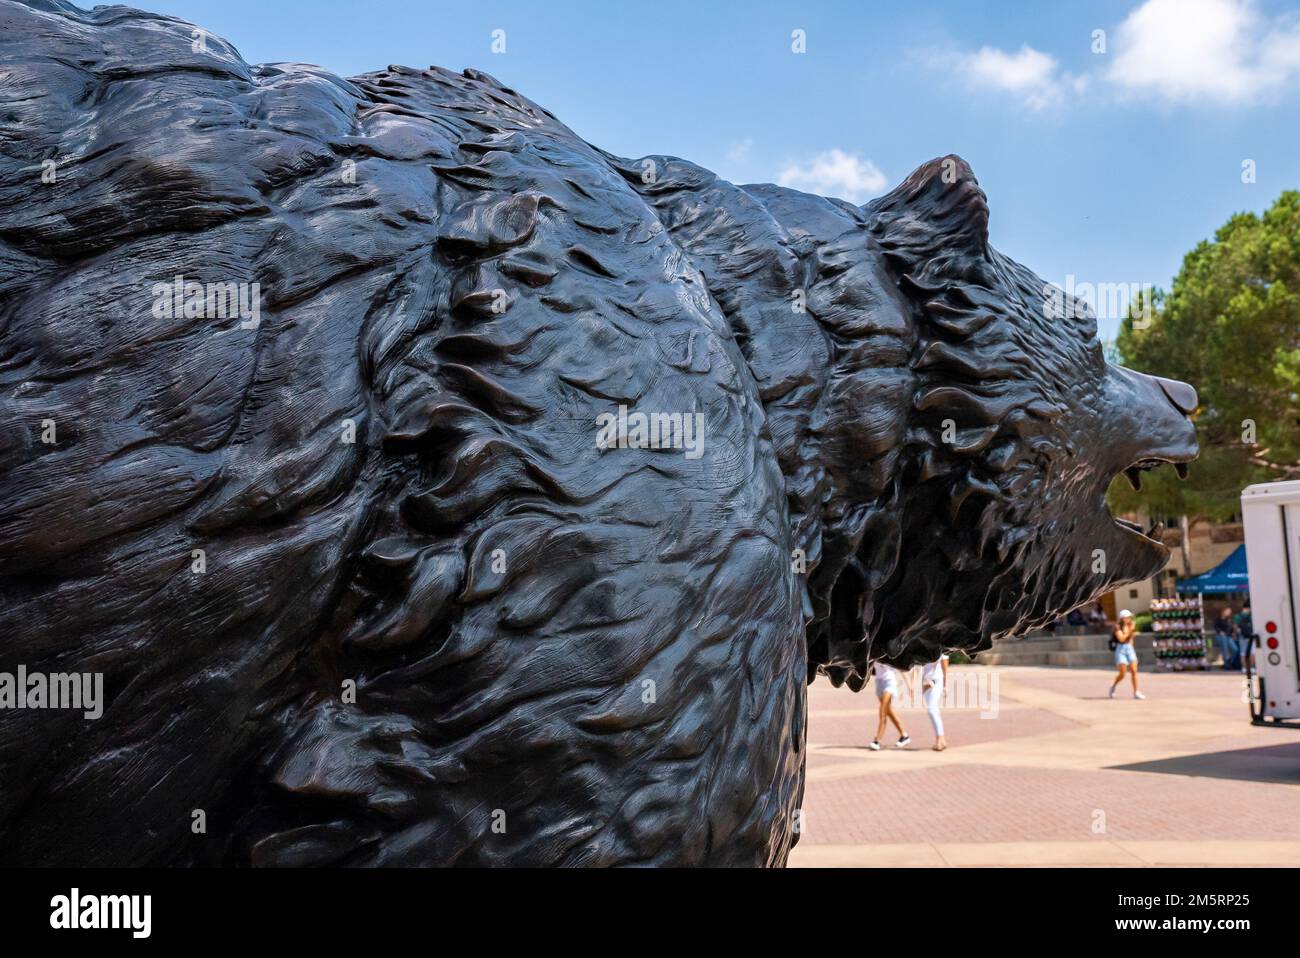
1228	576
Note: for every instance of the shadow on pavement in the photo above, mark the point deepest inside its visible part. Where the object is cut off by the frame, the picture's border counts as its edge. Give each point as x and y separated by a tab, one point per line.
1270	763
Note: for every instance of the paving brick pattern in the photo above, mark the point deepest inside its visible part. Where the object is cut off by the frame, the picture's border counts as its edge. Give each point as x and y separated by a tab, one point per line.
972	803
1011	721
1063	773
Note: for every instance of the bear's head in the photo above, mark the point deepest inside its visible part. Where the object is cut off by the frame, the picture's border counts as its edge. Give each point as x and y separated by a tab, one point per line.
969	430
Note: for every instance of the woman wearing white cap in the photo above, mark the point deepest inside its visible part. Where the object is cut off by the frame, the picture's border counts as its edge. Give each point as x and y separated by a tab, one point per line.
1126	659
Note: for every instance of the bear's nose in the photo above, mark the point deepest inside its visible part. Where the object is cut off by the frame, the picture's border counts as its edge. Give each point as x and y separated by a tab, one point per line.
1182	395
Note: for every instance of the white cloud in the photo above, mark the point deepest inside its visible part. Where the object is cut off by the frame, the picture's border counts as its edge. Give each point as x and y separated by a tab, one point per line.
835	173
739	151
1033	76
1222	50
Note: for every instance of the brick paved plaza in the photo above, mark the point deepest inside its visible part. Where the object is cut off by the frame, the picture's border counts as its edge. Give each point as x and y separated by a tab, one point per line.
1058	775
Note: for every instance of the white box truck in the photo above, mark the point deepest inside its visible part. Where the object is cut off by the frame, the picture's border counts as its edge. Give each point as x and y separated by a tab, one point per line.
1270	515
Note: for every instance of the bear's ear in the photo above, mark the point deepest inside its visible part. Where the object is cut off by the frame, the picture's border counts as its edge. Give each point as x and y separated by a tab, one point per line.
940	206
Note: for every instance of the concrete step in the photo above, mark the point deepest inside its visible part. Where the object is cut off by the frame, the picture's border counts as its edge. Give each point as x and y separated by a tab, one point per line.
1090	651
1067	630
1090	643
1096	660
1012	658
1059	643
1027	645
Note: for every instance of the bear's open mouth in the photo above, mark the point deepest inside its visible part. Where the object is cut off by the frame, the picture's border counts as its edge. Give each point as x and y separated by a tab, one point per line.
1153	532
1133	474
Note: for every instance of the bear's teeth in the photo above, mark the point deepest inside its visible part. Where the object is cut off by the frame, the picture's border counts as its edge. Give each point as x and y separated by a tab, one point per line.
1181	469
1134	477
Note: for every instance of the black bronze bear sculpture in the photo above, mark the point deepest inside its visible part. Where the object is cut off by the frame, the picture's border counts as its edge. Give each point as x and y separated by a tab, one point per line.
431	487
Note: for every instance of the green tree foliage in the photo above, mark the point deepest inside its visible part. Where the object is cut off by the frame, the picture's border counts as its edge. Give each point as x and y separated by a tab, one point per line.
1230	326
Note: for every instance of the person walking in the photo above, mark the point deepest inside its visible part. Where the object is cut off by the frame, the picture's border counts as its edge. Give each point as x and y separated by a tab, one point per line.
934	680
1225	637
1126	659
1244	623
886	689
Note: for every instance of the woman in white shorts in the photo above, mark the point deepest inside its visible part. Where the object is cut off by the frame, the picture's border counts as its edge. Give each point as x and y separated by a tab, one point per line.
1126	660
934	679
886	689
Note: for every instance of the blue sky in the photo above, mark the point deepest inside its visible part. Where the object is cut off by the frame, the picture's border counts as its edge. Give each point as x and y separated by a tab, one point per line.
1107	167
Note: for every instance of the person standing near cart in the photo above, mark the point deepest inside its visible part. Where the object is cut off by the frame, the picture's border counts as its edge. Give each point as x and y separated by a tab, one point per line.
1126	659
1245	626
1225	637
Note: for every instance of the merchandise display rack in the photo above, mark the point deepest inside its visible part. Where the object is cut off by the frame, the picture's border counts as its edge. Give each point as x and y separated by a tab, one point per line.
1179	627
